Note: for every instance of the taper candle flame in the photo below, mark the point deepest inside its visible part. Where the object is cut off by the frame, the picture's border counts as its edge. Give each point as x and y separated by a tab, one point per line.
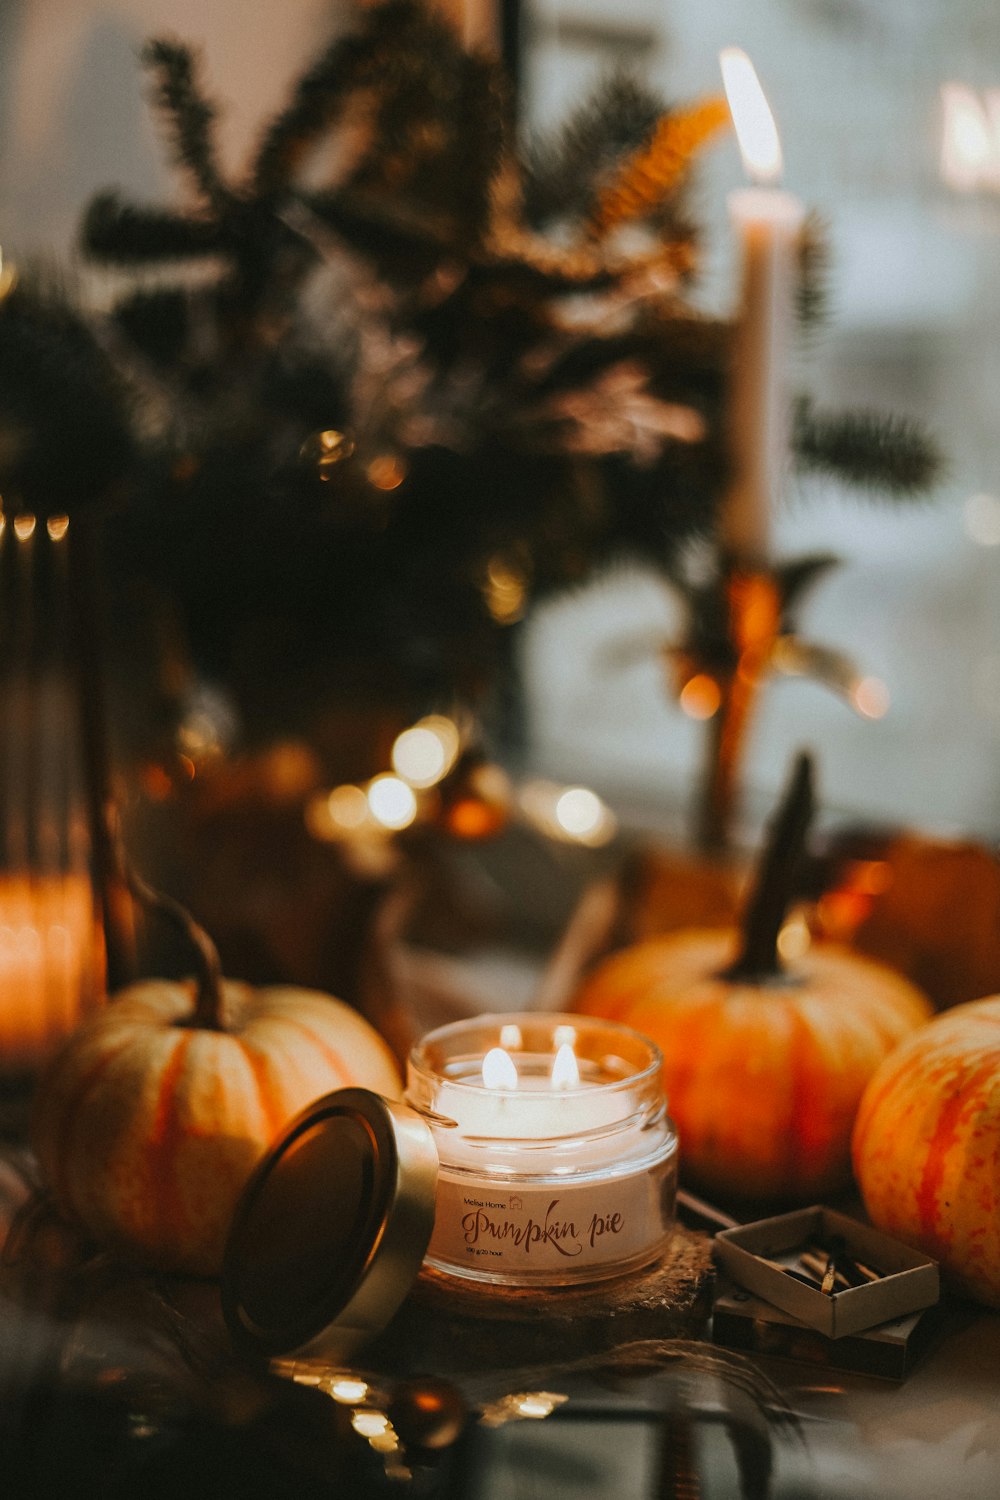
756	132
565	1069
499	1071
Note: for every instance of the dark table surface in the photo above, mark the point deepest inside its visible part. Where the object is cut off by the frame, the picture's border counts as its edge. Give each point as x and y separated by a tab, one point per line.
115	1383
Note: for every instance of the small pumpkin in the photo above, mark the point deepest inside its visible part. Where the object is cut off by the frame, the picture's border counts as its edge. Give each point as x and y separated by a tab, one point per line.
763	1067
927	1143
152	1117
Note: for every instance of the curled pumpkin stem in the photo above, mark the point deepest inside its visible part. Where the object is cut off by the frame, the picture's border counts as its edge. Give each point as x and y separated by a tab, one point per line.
208	997
776	880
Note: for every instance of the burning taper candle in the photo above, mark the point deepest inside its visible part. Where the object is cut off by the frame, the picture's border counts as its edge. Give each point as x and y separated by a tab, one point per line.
767	222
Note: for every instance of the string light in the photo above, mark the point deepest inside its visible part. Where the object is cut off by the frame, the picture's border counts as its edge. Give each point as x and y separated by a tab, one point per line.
700	697
425	753
391	802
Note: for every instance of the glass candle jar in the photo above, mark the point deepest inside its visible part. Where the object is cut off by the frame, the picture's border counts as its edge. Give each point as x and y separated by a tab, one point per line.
558	1162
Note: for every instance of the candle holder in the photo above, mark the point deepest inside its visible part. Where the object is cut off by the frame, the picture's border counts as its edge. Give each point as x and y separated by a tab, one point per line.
546	1178
741	629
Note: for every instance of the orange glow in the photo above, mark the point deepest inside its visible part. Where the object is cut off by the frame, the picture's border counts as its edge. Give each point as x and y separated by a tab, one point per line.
471	818
872	876
24	527
756	132
505	591
156	783
57	527
700	697
386	473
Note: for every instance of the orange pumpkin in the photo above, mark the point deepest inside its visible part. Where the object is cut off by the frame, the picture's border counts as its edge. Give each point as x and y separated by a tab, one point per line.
762	1079
763	1068
152	1117
927	1145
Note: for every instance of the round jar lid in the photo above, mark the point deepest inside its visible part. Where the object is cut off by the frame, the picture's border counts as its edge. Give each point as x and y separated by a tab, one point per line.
331	1229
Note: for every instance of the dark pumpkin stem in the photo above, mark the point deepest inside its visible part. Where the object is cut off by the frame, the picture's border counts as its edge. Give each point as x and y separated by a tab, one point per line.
208	1015
777	879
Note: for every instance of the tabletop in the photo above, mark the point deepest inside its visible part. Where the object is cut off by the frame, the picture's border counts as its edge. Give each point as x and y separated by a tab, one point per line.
115	1382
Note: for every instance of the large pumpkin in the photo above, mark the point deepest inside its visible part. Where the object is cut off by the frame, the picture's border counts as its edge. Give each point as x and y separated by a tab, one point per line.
763	1067
927	1145
150	1120
762	1079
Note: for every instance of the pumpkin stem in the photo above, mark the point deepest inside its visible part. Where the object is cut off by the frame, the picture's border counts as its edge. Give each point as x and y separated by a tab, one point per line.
208	999
776	879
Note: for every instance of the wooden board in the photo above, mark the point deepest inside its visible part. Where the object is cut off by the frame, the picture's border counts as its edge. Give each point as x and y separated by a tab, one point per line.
452	1326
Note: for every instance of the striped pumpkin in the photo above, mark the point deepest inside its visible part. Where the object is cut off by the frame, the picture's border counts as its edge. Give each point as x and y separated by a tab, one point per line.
762	1079
927	1145
148	1124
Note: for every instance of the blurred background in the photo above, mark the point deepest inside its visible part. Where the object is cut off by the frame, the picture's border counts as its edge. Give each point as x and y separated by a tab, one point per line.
856	88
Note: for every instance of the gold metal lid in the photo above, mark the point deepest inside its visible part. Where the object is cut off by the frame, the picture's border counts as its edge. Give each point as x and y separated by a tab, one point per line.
331	1229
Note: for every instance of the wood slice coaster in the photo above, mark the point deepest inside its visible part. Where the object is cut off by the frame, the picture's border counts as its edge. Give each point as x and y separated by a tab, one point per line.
455	1327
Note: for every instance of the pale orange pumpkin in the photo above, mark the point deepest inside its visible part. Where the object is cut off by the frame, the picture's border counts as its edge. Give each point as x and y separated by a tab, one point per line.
763	1068
152	1117
927	1145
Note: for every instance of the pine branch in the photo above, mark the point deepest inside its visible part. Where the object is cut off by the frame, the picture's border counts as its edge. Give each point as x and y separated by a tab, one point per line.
812	292
350	63
562	174
188	114
121	234
655	171
867	449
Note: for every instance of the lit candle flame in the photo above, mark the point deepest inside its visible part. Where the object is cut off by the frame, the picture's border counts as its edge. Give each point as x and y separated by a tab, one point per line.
565	1070
499	1071
756	132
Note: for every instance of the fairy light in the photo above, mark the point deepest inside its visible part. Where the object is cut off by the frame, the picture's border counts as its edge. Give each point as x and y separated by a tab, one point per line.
348	1392
425	753
870	697
392	802
701	696
370	1423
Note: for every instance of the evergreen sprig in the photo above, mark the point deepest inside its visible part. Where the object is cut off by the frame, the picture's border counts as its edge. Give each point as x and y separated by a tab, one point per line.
513	389
560	173
123	234
188	114
870	450
812	291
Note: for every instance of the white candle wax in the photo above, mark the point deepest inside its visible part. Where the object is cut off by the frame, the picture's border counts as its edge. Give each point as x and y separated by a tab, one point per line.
534	1113
767	223
542	1183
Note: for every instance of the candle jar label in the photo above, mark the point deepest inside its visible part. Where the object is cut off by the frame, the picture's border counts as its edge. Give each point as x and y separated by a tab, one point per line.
549	1233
